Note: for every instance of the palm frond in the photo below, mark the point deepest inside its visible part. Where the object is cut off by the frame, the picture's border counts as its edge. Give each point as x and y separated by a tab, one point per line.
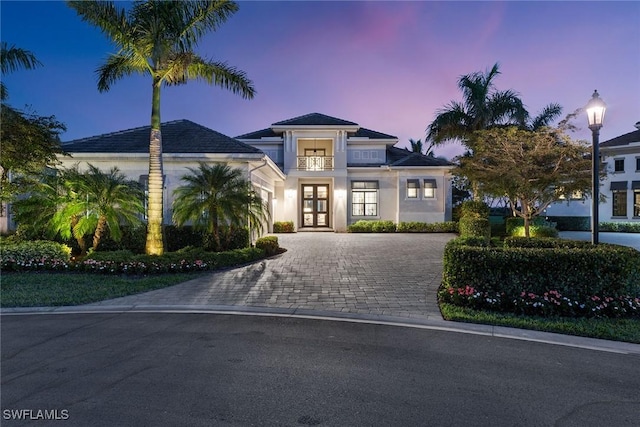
13	58
116	67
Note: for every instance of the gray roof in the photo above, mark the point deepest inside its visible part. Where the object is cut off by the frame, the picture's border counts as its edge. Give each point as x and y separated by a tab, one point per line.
179	136
314	119
625	139
317	119
401	157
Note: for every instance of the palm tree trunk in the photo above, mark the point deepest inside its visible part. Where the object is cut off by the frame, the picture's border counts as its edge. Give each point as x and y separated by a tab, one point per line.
100	229
79	239
155	244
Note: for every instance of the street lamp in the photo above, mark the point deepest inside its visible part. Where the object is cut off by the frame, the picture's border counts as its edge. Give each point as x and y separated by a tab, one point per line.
595	114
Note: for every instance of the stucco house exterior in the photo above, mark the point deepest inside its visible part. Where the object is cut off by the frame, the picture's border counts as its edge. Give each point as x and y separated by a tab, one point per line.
621	158
320	172
338	172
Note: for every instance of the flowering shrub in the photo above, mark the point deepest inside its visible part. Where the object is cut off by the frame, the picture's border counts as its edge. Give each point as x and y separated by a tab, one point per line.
34	255
124	262
550	303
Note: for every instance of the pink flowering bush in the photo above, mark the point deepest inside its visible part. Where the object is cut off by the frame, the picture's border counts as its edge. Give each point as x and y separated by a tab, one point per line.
550	303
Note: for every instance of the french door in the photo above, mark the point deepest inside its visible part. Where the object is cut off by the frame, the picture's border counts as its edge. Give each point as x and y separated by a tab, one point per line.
315	205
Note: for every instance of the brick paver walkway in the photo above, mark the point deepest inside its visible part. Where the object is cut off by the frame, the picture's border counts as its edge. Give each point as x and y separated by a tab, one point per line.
375	274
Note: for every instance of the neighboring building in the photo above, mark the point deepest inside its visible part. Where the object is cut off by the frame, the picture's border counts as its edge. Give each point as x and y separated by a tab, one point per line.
621	157
338	173
318	171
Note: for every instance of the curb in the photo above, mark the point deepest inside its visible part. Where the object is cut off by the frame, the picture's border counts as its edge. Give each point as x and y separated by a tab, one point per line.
436	324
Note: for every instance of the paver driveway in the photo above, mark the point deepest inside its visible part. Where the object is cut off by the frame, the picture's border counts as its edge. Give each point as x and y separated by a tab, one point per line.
376	274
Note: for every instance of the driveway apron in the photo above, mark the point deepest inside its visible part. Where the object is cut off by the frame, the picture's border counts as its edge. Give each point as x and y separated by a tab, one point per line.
373	274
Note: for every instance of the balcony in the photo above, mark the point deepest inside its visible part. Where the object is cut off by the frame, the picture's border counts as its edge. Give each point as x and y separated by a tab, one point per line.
315	163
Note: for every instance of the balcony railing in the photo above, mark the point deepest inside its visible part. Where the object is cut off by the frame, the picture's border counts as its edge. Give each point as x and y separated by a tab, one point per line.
315	163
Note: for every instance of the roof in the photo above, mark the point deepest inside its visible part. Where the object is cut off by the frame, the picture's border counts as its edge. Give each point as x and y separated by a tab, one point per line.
625	139
402	157
263	133
314	119
371	134
179	136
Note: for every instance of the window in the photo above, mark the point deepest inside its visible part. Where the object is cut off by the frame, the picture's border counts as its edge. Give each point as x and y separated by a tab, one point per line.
618	165
364	198
620	203
429	188
636	203
637	164
413	186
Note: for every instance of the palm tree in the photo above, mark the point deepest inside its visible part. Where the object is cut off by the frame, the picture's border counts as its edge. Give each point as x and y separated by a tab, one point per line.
548	114
218	195
12	59
482	107
106	200
416	146
158	38
75	204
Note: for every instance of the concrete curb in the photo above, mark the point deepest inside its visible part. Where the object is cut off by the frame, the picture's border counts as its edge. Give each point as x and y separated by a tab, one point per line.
411	322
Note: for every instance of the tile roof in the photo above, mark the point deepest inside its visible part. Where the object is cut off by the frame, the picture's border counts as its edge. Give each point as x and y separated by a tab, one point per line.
401	157
179	136
625	139
314	119
372	134
263	133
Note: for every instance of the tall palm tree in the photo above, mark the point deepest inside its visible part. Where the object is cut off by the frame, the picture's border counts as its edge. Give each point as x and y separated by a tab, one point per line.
482	107
13	58
548	114
416	146
158	38
218	195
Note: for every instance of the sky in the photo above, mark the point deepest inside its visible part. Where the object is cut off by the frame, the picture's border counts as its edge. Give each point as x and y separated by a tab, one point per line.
388	66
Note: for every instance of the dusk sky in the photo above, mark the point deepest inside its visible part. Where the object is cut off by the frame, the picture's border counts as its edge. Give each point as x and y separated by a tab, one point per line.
388	66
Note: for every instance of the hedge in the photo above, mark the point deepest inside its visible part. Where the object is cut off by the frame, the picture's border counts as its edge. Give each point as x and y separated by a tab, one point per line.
36	255
571	223
427	227
283	227
620	227
535	231
474	209
475	227
269	244
513	223
506	274
365	226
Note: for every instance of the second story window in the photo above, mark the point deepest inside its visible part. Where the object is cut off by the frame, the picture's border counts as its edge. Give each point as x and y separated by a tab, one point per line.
618	165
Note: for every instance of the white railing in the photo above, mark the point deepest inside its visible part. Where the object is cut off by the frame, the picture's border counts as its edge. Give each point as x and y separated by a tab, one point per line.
315	163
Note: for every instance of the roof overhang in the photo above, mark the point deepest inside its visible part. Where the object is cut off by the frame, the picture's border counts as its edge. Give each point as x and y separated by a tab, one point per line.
283	128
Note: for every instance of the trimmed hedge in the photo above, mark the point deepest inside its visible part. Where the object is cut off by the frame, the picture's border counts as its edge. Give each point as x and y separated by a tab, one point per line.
620	227
513	223
37	254
269	244
571	223
427	227
474	209
283	227
535	231
475	227
578	273
547	242
366	226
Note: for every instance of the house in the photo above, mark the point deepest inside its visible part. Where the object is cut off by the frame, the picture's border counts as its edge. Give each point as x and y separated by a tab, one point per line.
621	189
321	172
338	172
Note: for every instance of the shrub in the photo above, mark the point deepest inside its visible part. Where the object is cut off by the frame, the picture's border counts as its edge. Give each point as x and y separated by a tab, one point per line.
513	223
179	237
620	227
577	273
535	231
547	242
383	227
571	223
34	255
269	244
361	226
283	227
474	209
475	227
427	227
234	238
133	239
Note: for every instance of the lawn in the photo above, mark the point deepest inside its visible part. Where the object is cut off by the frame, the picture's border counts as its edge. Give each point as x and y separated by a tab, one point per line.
47	289
604	328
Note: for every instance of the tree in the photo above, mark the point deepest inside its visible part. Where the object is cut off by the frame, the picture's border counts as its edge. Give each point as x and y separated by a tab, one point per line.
482	107
30	143
218	195
158	38
532	169
416	146
12	59
75	204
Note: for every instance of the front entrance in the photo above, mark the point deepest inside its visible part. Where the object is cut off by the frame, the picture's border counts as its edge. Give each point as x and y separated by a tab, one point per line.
315	205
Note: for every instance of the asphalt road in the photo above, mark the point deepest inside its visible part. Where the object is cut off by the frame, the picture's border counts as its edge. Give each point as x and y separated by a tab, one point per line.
170	369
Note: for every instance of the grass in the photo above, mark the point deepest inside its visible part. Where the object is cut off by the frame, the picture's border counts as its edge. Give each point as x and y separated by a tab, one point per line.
47	289
627	330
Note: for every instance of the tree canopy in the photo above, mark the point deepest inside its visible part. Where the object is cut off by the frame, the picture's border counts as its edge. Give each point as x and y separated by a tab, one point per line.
532	169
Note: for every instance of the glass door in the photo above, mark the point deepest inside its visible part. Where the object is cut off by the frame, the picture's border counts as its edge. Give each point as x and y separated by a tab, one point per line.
315	205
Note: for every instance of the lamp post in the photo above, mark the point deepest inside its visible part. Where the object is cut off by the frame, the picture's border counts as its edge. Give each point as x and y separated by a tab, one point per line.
595	114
